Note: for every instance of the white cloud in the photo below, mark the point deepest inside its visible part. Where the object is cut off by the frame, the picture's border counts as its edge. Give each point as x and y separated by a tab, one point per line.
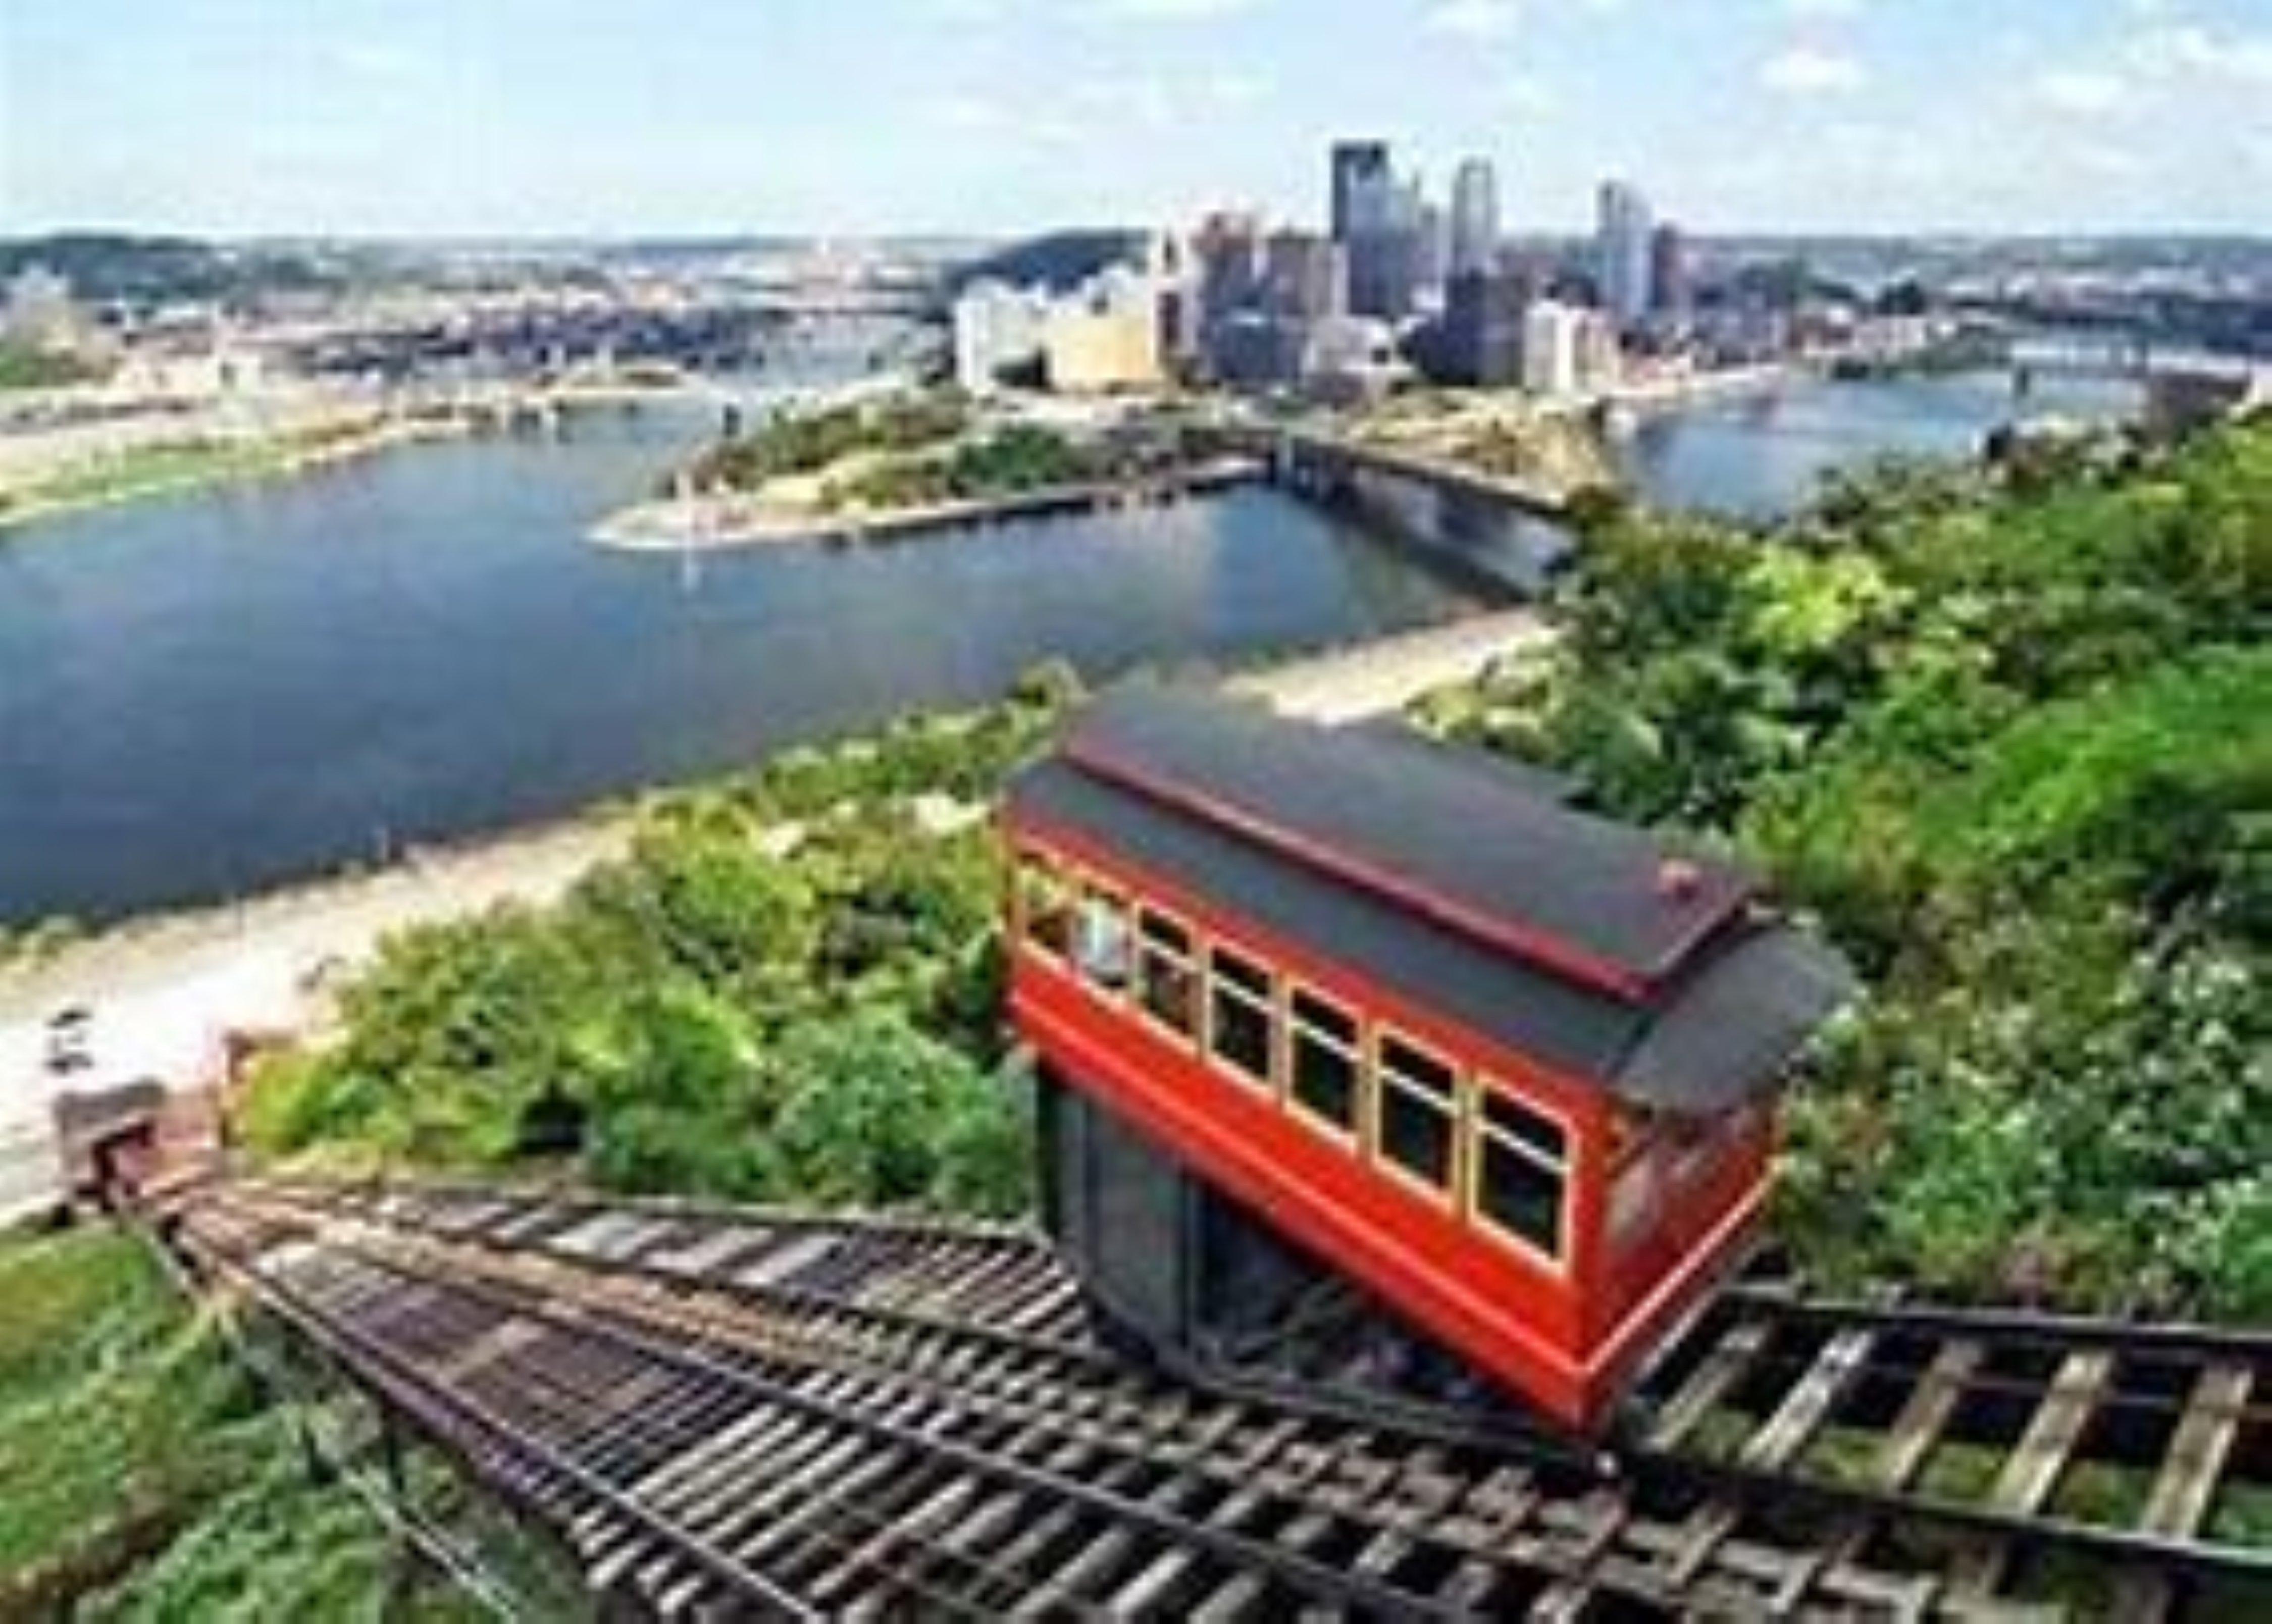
1474	19
1231	90
1068	113
986	118
969	11
2084	92
2190	50
376	59
1530	95
1807	71
1172	9
2107	162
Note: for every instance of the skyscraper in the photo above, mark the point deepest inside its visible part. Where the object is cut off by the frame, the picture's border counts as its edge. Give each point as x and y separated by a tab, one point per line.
1360	172
1305	277
1622	250
1670	296
1431	248
1381	220
1475	217
1229	248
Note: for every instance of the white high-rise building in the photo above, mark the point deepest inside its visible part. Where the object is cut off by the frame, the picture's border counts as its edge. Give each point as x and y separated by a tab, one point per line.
997	329
1622	250
1475	217
1567	351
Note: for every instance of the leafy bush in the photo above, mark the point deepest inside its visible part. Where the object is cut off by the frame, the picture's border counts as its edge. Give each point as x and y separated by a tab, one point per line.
2009	743
873	1111
802	441
789	988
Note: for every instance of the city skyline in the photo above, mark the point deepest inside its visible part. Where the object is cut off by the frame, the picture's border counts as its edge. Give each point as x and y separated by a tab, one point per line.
561	117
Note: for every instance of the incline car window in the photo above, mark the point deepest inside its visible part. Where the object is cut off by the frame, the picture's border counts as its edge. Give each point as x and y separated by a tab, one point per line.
1418	1092
1102	941
1045	904
1166	981
1522	1162
1326	1062
1239	1014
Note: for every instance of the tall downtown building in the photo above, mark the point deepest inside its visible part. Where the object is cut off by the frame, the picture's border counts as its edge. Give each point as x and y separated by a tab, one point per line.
1475	217
1623	251
1382	222
1360	174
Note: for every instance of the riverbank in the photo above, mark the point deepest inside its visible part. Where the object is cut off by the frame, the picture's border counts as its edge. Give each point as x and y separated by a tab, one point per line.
76	468
1382	676
1678	392
174	467
731	521
301	931
164	986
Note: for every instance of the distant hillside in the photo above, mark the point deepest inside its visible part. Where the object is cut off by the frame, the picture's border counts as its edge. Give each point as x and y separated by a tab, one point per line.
1060	260
104	266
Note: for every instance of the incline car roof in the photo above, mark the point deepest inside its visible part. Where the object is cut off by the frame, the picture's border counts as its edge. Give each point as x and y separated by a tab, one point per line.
1445	832
1708	1033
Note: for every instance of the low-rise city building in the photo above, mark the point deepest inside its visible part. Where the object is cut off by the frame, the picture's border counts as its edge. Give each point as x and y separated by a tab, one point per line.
1352	359
1481	332
1105	336
39	313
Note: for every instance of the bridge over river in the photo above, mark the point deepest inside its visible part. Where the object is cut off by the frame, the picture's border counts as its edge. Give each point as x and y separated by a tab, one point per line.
1499	534
2182	385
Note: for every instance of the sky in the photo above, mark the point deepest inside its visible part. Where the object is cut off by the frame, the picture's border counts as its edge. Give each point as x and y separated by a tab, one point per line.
510	117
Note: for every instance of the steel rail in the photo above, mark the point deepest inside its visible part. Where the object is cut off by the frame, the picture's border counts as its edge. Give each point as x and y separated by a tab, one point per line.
593	1322
1559	1552
422	1399
1679	1473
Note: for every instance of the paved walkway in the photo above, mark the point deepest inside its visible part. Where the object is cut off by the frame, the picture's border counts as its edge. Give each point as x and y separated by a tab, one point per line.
1373	679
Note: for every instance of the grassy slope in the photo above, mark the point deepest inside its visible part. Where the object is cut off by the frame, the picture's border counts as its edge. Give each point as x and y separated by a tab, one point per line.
139	1479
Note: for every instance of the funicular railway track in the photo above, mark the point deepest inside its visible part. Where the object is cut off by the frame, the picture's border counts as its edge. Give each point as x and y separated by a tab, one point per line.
731	1410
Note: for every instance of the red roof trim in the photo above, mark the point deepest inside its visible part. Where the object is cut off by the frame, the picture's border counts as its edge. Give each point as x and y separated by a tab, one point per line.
1549	952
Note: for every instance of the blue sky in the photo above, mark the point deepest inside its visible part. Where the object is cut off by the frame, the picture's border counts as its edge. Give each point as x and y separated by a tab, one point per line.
839	115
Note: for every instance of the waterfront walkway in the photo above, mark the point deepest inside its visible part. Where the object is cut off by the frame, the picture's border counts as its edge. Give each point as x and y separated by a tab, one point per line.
1374	679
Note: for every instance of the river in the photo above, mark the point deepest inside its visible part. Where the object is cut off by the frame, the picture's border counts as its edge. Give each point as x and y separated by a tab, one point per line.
217	692
1759	456
202	695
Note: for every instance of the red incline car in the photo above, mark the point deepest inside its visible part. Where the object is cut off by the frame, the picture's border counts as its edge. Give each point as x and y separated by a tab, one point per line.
1309	999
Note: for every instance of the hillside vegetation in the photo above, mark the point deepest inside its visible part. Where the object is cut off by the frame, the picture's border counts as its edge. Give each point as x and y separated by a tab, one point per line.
2010	740
788	990
142	1478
